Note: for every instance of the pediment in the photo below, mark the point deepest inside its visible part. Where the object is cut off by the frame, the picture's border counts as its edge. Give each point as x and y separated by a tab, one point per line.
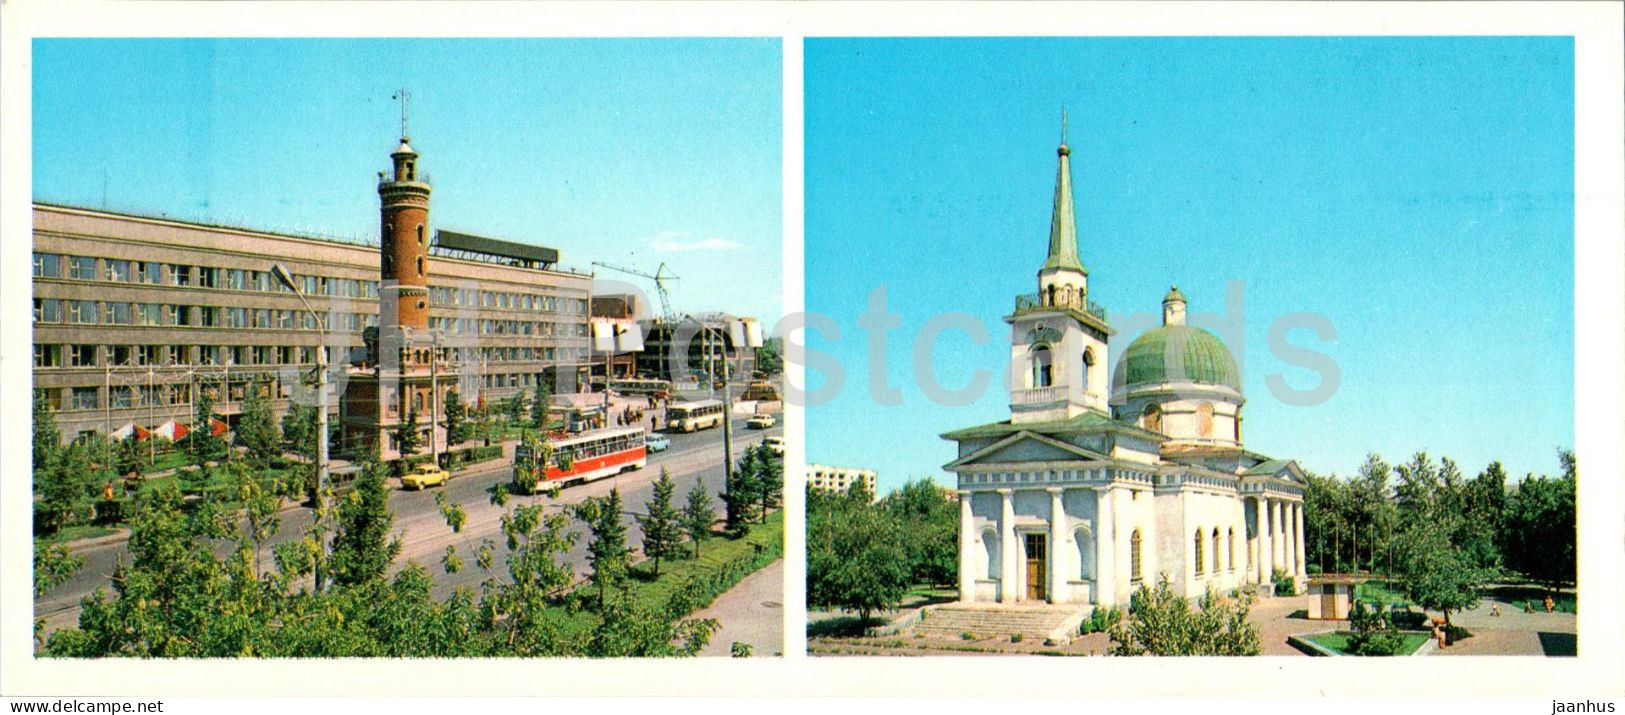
1027	447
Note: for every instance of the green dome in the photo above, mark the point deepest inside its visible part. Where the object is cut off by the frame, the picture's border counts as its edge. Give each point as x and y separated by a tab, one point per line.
1204	358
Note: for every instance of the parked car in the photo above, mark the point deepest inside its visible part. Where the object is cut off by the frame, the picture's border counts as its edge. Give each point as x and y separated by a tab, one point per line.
761	422
656	442
424	476
776	444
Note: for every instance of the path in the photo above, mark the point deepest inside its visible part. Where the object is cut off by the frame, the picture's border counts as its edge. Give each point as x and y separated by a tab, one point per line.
750	612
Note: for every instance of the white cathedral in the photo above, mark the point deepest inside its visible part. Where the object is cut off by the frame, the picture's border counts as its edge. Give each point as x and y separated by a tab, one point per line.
1080	499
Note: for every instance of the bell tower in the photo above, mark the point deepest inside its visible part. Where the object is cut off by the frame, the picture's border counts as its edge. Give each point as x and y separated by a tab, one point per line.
1057	336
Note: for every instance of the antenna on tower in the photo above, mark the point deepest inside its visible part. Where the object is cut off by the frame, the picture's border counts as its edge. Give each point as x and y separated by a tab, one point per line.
1063	124
405	97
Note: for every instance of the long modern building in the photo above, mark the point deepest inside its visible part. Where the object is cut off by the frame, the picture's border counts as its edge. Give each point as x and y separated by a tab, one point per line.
134	315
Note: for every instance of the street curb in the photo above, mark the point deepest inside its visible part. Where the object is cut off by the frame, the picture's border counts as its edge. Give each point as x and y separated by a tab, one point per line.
93	542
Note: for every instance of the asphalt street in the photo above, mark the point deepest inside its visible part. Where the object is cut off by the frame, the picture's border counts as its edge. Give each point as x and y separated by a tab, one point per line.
423	531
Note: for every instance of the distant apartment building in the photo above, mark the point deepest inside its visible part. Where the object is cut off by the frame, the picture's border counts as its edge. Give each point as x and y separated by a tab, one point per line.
840	479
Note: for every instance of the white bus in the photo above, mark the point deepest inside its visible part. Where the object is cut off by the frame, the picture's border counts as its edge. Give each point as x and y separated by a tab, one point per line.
691	416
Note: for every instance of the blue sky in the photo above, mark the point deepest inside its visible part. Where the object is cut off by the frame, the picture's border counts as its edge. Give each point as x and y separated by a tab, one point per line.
1417	192
626	150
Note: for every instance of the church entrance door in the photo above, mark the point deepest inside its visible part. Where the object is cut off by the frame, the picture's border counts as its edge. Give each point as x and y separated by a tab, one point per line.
1037	559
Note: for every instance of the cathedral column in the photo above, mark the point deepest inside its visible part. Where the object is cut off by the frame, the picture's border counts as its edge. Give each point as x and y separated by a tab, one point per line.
1277	538
1298	512
1057	537
967	550
1290	545
1105	542
1261	516
1007	548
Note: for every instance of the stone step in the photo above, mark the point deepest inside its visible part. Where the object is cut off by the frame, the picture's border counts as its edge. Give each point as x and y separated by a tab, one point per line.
1038	623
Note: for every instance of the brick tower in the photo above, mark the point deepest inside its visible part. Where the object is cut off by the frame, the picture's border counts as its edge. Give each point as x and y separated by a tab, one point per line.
396	377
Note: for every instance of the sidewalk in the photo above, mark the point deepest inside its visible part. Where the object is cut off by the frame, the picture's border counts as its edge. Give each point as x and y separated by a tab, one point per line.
751	612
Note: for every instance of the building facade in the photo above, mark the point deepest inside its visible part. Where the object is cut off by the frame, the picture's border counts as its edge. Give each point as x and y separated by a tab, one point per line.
839	479
134	316
1095	486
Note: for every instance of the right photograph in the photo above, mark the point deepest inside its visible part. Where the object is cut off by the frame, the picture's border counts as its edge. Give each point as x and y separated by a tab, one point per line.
1190	346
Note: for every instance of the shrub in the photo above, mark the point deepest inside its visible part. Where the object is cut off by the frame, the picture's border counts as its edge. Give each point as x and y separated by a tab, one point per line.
739	650
1374	633
1015	637
1101	621
1285	584
967	636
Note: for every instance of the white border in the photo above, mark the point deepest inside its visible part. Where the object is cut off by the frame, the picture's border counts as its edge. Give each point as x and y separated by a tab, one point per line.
1599	350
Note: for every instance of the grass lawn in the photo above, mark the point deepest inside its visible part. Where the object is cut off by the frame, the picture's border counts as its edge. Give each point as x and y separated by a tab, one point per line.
1382	592
675	573
713	553
1339	641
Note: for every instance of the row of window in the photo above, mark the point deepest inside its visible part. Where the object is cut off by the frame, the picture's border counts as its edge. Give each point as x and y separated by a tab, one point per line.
1229	553
135	396
117	270
83	355
507	301
91	268
466	326
93	312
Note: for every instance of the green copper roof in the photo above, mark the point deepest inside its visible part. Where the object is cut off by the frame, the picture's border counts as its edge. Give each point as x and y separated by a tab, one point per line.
1063	225
1085	423
1174	294
1201	358
1269	466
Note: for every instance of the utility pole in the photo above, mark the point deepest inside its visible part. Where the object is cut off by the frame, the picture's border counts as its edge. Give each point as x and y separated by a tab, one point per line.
286	278
434	399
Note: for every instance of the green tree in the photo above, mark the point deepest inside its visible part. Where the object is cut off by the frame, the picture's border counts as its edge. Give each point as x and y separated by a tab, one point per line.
1162	622
205	446
607	551
407	439
299	431
698	515
63	485
457	426
515	408
1435	573
855	560
769	357
538	407
363	547
47	439
256	428
662	531
131	459
930	530
1539	526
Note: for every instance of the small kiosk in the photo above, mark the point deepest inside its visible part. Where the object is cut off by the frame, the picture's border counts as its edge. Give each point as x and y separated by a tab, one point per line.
1331	594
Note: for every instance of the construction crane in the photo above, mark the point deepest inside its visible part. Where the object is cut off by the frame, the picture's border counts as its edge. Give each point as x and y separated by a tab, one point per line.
660	276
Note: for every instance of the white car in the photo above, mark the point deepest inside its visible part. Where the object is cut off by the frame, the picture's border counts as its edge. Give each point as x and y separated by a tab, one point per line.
761	422
776	444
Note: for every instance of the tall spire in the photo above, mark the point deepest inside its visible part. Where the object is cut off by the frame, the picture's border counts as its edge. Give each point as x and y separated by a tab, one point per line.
1063	227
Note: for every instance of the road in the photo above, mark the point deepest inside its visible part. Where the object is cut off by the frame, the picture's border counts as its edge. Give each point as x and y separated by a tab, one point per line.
423	531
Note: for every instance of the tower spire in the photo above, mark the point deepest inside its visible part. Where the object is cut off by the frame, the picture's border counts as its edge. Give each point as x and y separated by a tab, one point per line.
1063	229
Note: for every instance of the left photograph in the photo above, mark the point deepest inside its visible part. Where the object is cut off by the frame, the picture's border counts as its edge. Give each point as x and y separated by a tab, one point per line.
407	348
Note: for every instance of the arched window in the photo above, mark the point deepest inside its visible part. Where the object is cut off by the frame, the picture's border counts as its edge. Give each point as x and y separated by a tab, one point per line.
1204	419
990	545
1134	556
1238	424
420	265
1197	556
1232	548
1088	364
1216	551
1086	553
420	234
1051	295
1153	418
417	401
1043	369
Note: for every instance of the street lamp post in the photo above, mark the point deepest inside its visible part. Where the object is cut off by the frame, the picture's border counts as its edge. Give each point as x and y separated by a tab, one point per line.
286	279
